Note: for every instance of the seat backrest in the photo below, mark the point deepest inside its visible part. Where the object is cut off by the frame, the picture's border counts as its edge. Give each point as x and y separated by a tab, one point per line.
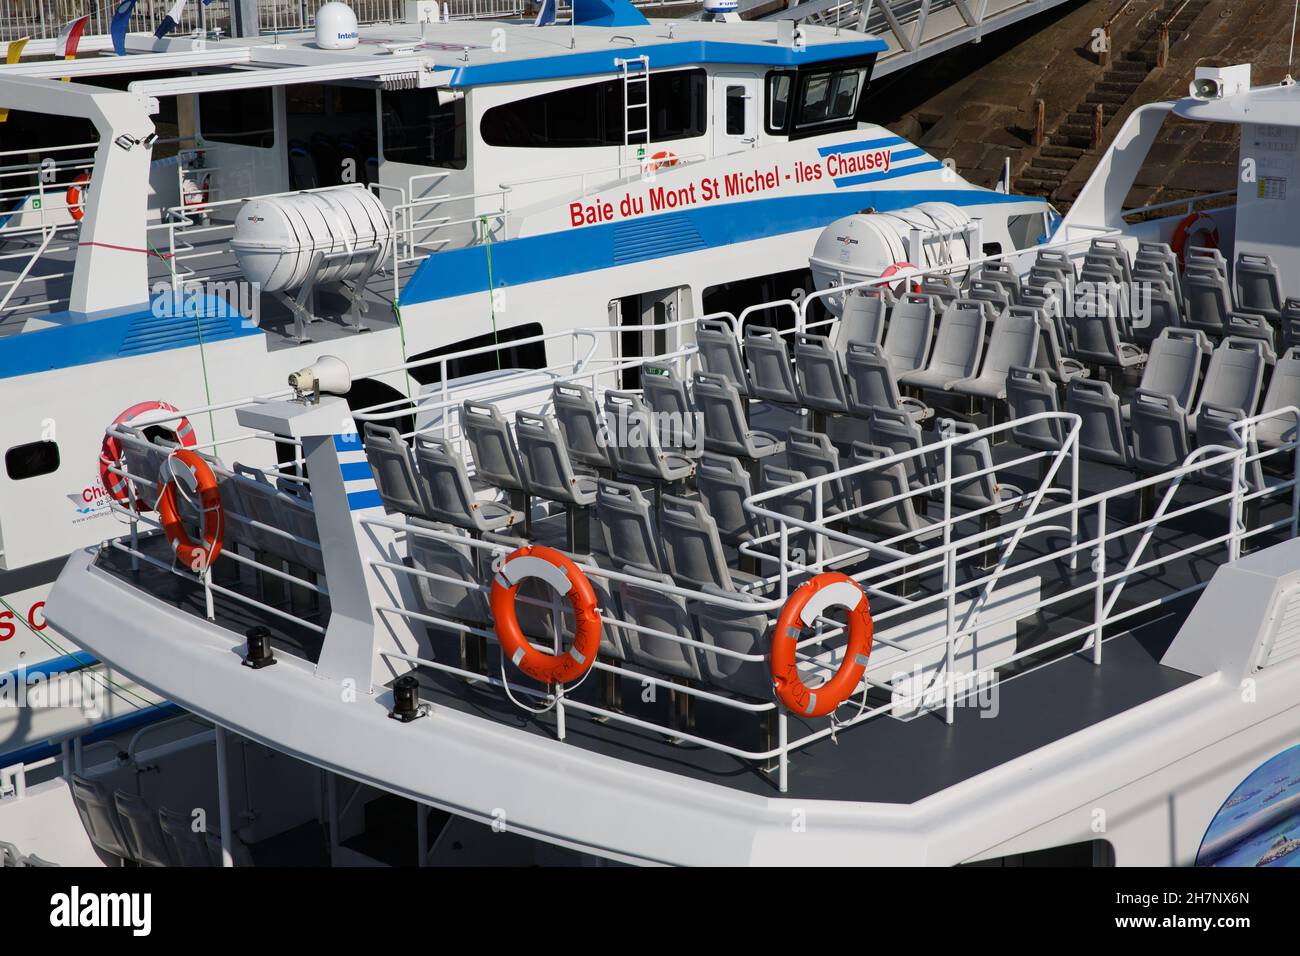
771	376
1001	275
863	318
1031	391
867	488
634	440
1111	253
1094	327
438	596
665	394
1259	285
188	846
720	404
1155	308
143	835
693	552
145	463
1159	428
496	459
99	816
401	488
628	527
897	431
1207	301
547	470
1205	257
650	607
451	496
276	510
1235	375
732	629
973	484
910	331
1013	341
821	374
724	484
814	454
1102	436
799	505
986	291
871	380
720	352
583	427
1174	364
1284	387
943	292
959	346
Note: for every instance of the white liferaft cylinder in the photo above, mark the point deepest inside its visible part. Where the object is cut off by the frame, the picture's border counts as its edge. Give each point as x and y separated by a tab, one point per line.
276	238
862	246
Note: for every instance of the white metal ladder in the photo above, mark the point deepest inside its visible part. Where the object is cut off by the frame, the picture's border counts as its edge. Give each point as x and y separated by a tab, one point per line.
636	111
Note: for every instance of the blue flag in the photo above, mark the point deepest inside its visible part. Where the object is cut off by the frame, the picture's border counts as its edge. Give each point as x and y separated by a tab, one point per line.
121	20
546	15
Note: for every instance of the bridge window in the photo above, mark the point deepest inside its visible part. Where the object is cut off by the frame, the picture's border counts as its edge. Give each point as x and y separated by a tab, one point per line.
241	117
778	101
32	460
593	114
828	97
421	130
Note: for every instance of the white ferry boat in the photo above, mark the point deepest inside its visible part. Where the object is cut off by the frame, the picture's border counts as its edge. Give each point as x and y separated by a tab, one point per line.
1003	569
429	201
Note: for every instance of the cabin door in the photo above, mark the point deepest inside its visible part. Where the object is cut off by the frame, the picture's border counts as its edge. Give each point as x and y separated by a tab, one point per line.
735	112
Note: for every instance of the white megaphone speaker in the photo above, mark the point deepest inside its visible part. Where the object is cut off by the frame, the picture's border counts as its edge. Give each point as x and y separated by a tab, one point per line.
329	375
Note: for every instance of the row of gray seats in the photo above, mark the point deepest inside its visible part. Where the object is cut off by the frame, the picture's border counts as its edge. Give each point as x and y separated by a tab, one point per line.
124	825
1171	405
11	856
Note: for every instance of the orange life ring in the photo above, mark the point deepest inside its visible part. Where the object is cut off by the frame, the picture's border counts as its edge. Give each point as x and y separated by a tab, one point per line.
110	452
73	197
567	578
197	557
1184	230
829	589
663	159
896	268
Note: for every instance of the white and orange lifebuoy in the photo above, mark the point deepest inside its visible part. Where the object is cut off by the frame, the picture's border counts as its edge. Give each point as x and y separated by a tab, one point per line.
110	452
194	555
557	570
1187	227
896	268
74	196
809	601
664	159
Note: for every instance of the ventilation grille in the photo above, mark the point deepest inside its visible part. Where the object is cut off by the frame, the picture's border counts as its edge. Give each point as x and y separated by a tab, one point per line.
1285	641
653	239
151	333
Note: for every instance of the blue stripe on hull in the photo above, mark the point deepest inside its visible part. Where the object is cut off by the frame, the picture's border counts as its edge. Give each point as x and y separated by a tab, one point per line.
537	258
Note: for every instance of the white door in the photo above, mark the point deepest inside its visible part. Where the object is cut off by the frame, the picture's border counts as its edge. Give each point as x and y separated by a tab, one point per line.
736	99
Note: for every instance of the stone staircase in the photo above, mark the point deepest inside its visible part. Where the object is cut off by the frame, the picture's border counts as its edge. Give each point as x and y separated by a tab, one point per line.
1073	137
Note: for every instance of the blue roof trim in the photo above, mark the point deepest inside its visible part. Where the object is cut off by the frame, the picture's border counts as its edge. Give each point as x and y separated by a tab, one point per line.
148	329
662	56
607	13
533	259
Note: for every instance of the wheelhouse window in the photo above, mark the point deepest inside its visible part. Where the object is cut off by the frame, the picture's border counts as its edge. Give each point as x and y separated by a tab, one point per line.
594	114
421	130
778	101
828	97
240	117
818	99
510	353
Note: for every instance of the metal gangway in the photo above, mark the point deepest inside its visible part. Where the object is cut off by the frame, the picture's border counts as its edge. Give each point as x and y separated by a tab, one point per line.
914	29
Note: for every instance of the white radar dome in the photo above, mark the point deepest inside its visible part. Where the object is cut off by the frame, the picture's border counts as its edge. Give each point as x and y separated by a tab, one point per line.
336	27
721	6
